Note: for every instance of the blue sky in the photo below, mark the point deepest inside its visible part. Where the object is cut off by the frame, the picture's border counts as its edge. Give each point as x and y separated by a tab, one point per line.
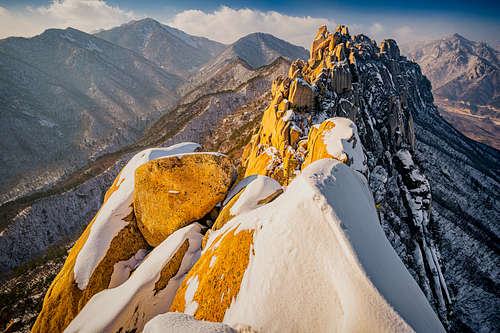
295	21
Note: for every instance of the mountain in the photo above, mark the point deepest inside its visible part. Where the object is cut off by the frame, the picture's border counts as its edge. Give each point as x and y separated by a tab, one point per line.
465	76
252	51
259	49
98	93
393	204
66	97
244	250
170	48
221	119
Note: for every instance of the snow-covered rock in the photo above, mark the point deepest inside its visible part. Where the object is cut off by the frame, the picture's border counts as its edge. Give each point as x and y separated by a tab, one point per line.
110	240
174	322
314	259
148	292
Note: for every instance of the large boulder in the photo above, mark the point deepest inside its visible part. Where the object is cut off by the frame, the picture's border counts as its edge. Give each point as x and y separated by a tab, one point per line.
336	138
172	192
104	255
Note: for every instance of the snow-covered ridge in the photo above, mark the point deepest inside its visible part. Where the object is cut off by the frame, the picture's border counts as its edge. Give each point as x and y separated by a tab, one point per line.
356	281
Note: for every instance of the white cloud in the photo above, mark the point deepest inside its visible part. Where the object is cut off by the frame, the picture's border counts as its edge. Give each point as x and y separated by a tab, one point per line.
227	25
376	28
404	32
86	15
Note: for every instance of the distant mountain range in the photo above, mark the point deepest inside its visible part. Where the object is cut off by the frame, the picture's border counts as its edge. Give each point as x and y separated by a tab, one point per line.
171	49
67	97
252	51
465	77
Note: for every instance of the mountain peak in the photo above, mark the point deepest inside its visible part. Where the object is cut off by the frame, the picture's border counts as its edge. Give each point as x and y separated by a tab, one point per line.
144	21
458	36
259	48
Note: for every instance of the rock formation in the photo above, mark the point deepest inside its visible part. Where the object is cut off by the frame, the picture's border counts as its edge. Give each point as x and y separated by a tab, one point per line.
114	244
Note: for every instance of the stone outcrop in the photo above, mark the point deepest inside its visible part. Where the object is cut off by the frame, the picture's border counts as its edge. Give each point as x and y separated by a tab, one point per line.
287	265
301	95
64	299
281	145
390	47
114	244
336	138
214	295
172	192
354	78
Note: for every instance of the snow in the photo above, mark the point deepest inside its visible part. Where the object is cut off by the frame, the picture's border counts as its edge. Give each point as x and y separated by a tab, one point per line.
405	158
289	115
181	35
238	187
191	305
320	262
109	220
46	123
303	82
260	188
68	36
122	269
133	303
174	322
342	141
212	261
92	47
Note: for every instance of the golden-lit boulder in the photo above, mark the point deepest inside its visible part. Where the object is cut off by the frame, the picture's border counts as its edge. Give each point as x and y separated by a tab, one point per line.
296	68
336	138
172	192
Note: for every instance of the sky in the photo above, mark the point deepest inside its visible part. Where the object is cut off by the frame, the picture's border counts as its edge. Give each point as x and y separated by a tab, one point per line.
294	21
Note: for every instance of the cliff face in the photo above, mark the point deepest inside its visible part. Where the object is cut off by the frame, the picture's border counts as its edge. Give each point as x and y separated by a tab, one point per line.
418	165
380	92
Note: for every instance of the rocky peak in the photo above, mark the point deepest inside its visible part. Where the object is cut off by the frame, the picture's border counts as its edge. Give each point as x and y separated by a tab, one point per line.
390	47
381	93
338	126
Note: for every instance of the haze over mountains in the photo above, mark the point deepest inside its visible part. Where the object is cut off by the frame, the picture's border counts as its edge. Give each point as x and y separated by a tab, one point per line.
465	77
68	96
